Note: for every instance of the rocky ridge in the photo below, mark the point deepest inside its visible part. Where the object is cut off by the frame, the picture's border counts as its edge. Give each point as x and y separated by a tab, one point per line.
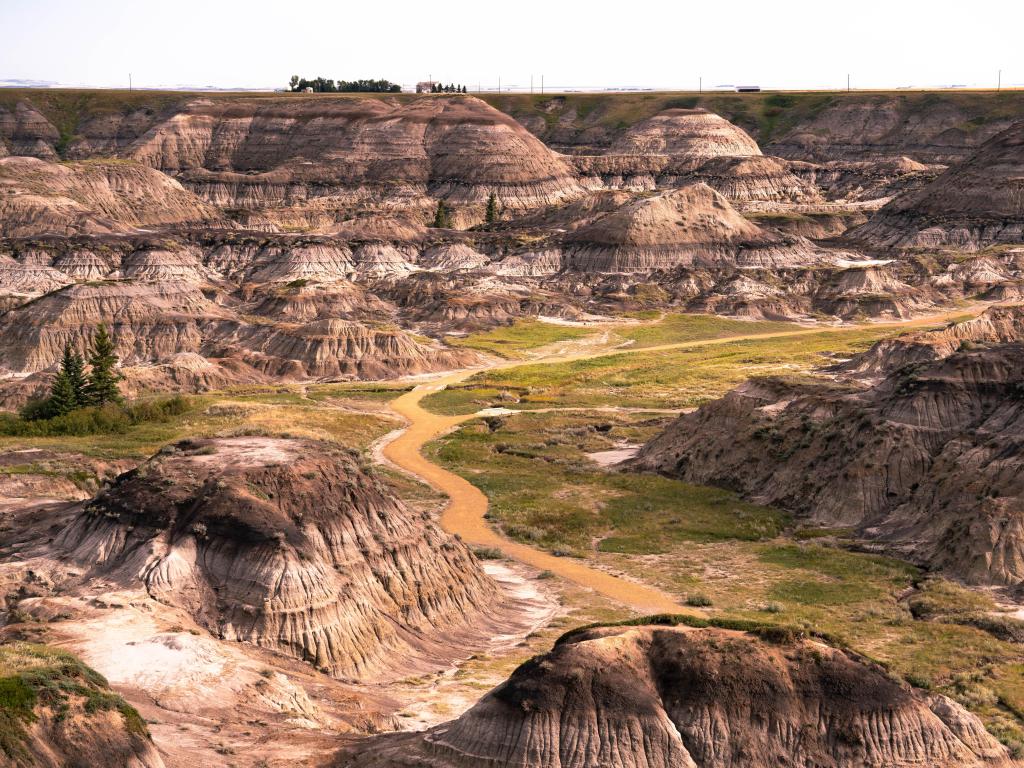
922	463
288	545
654	697
974	204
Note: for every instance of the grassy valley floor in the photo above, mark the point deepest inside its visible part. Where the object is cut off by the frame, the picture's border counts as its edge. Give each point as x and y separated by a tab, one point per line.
705	546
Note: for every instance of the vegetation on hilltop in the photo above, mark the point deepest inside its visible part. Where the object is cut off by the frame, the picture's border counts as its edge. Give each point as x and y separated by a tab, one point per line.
323	85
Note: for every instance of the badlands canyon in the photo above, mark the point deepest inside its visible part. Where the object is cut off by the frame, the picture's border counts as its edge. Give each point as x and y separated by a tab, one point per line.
513	430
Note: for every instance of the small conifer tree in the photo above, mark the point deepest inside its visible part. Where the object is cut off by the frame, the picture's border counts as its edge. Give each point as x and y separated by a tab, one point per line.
442	216
492	209
103	376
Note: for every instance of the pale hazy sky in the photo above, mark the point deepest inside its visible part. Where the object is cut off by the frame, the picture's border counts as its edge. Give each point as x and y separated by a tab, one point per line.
786	44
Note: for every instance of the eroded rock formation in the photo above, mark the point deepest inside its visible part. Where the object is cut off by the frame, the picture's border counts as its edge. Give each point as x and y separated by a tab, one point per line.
693	225
669	697
974	204
924	463
39	197
288	545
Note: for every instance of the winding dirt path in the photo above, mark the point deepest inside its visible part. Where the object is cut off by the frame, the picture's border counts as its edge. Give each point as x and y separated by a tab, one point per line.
467	505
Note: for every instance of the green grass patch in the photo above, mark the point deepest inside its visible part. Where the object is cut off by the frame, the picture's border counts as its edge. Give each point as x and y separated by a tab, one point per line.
255	411
513	341
545	492
659	379
677	328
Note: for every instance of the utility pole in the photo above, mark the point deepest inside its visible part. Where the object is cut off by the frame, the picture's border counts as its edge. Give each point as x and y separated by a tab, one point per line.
847	83
531	85
129	82
542	85
999	85
700	85
499	83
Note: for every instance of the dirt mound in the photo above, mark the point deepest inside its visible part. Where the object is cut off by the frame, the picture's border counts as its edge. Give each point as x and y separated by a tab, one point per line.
655	697
335	348
976	203
755	178
39	197
693	225
309	262
288	545
686	135
925	464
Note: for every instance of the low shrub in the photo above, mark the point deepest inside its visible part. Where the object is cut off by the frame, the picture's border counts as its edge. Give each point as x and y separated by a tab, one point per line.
95	420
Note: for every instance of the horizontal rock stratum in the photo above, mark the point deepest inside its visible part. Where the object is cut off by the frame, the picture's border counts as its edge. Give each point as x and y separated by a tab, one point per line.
289	545
675	697
924	463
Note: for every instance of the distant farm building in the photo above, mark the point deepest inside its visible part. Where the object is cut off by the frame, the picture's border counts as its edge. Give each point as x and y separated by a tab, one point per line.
748	89
426	86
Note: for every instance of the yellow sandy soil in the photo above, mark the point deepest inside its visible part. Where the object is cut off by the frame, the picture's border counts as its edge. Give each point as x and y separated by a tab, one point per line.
467	504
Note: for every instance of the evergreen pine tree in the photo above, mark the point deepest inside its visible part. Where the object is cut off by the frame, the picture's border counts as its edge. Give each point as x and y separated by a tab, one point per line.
492	209
103	376
62	396
442	216
73	366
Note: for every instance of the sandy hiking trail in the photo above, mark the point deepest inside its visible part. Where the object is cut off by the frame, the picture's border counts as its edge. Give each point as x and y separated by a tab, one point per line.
467	505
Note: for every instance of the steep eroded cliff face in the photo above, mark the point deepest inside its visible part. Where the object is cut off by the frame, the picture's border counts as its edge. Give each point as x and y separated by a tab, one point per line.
671	697
925	463
977	203
289	545
278	151
39	197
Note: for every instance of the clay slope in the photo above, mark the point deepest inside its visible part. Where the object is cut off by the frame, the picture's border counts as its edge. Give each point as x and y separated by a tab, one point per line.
38	197
693	225
926	463
686	135
660	697
995	325
756	179
200	344
336	348
59	713
266	152
149	321
977	203
288	545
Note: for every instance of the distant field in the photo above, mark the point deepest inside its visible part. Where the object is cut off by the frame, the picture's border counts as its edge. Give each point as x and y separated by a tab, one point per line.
513	341
675	328
662	379
517	340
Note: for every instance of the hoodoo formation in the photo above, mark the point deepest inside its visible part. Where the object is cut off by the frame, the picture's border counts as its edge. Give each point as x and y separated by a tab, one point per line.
655	697
752	359
288	545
